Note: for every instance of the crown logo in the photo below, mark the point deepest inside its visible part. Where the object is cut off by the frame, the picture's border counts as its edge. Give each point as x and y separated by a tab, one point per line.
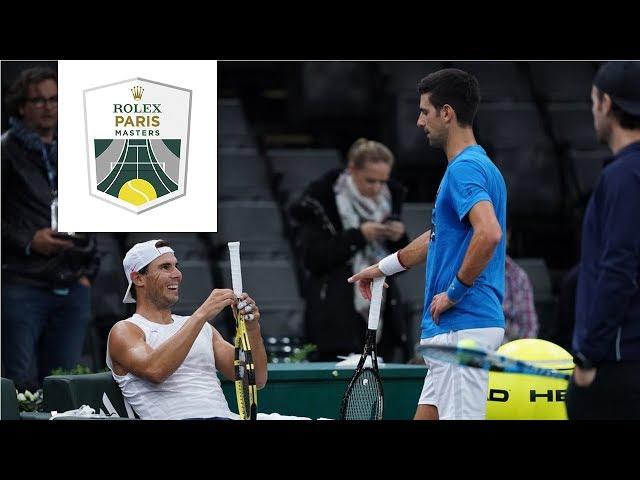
137	93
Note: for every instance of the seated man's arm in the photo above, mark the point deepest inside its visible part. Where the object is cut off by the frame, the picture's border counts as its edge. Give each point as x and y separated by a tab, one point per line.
131	353
224	352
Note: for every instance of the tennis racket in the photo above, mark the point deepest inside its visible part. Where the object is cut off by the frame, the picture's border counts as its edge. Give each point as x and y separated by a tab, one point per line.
364	399
477	358
244	369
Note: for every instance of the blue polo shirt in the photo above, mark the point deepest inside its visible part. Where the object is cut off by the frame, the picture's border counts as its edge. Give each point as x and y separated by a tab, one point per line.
470	177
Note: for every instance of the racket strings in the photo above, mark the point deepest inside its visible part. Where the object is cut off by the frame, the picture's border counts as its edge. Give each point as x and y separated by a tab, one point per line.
364	401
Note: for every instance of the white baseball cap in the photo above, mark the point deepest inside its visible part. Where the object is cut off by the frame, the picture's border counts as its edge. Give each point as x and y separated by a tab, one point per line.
138	257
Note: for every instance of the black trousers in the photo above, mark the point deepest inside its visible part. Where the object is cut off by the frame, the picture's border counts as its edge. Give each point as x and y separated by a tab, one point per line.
613	395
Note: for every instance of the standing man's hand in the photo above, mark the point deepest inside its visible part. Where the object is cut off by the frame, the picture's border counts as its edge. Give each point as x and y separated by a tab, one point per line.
440	304
364	278
583	377
84	281
45	243
395	230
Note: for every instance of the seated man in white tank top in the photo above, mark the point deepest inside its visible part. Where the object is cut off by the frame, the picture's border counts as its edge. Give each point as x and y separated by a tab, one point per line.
166	365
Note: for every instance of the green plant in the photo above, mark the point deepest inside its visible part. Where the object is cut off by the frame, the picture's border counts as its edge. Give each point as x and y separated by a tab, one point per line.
77	370
300	354
29	402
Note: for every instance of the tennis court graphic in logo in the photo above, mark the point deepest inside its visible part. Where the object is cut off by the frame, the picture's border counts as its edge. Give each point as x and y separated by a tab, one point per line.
137	142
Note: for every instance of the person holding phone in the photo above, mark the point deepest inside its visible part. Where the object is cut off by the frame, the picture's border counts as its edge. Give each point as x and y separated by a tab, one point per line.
344	221
46	276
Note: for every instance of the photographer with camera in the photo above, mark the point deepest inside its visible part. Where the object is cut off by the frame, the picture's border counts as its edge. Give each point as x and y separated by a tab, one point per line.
45	274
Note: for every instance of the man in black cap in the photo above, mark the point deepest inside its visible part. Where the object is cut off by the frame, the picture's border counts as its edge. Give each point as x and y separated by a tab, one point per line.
606	338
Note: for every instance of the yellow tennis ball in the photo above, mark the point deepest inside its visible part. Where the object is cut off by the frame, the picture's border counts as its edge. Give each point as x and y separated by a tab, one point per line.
467	343
530	397
137	192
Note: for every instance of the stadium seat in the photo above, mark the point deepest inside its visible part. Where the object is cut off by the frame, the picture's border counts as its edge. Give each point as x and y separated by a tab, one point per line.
499	81
412	284
294	169
417	218
233	128
110	283
197	284
563	81
538	273
531	176
572	124
187	245
242	175
9	403
268	282
273	286
544	299
406	75
587	165
256	224
107	290
503	125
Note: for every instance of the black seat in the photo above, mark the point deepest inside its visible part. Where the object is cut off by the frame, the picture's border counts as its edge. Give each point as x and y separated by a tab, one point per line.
406	75
544	299
257	224
511	125
587	165
499	81
267	281
242	175
273	286
107	290
187	245
9	403
572	124
417	218
110	283
563	81
296	168
412	284
233	128
531	176
197	284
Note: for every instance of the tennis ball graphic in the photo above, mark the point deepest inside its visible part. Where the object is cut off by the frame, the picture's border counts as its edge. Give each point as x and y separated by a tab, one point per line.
137	192
467	343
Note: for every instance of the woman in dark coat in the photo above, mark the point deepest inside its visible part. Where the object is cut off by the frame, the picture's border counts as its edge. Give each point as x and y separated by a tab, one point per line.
347	220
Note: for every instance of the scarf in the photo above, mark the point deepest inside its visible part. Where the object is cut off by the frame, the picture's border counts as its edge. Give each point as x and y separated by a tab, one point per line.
355	209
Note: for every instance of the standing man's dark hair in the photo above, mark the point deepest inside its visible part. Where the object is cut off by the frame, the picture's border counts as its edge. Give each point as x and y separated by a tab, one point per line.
456	88
606	337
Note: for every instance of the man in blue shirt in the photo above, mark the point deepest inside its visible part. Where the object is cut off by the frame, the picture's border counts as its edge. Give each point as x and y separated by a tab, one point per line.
466	268
606	338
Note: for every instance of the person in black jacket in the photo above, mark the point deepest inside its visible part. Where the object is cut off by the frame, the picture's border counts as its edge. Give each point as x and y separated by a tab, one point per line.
45	275
346	220
606	337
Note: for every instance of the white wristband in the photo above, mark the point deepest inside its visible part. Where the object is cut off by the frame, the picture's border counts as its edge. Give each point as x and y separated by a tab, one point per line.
390	265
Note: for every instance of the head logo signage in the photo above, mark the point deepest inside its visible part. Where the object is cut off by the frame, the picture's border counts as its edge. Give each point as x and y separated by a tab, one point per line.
137	142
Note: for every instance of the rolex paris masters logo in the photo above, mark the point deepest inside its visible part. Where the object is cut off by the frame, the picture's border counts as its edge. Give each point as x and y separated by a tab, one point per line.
137	142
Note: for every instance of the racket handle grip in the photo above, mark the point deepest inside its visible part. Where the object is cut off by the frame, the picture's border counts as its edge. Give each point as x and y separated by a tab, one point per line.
376	302
236	272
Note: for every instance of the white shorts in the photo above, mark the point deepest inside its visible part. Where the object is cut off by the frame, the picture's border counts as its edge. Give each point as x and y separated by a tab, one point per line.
459	393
